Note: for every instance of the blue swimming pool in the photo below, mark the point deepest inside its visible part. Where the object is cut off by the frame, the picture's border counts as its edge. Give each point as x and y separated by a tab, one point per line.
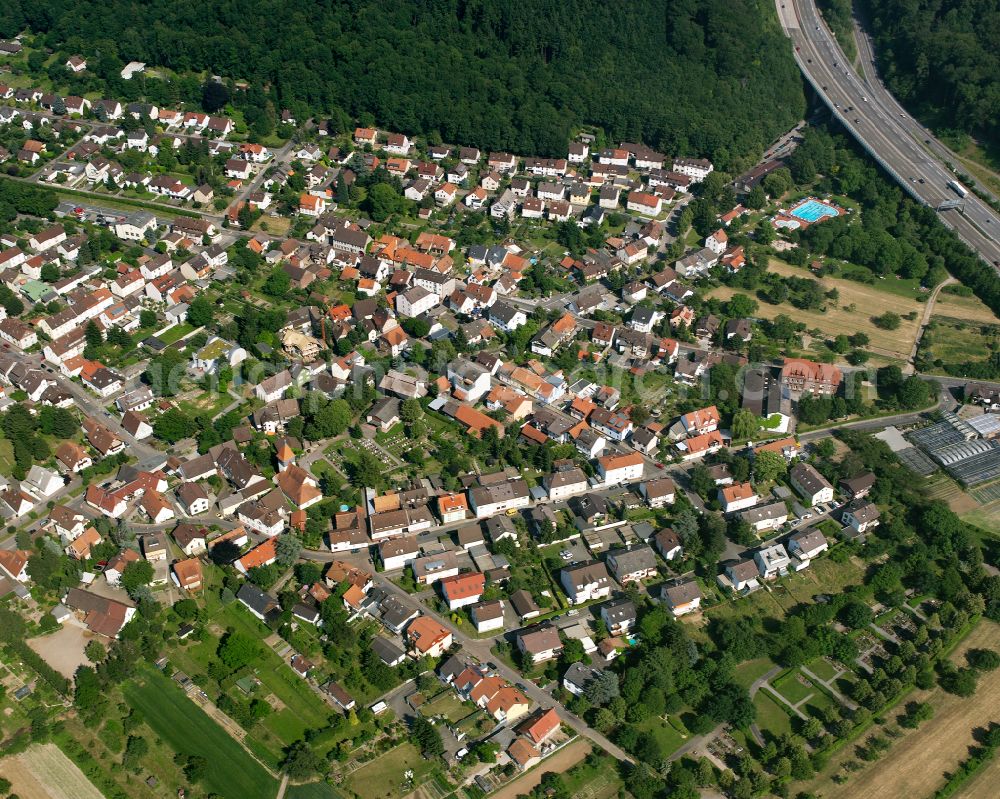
813	211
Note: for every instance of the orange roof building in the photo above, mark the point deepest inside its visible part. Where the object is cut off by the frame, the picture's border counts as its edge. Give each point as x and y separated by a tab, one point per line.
264	554
427	637
452	507
188	574
463	589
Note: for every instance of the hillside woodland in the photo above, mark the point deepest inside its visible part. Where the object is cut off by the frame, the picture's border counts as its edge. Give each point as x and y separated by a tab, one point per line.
696	77
942	59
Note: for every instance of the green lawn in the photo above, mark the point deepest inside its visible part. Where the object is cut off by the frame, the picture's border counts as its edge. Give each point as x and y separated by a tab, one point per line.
819	703
176	333
790	687
746	673
668	737
598	780
770	716
447	705
822	669
6	456
383	778
187	730
953	340
312	790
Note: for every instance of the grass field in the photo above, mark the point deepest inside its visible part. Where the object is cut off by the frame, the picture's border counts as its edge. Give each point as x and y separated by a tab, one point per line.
312	790
597	780
868	301
746	673
970	309
176	333
915	764
770	715
822	669
447	705
668	738
382	778
42	771
953	341
186	729
300	707
793	688
6	456
822	577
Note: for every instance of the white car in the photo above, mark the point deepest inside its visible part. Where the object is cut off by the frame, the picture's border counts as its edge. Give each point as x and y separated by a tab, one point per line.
566	555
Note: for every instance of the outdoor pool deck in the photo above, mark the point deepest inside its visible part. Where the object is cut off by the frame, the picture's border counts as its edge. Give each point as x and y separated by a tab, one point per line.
807	212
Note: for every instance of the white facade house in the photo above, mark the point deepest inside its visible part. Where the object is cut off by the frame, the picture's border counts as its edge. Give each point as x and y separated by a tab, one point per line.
586	582
616	469
565	483
810	484
416	301
772	561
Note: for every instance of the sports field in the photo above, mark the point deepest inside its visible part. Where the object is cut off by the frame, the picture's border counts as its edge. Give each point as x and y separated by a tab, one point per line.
187	730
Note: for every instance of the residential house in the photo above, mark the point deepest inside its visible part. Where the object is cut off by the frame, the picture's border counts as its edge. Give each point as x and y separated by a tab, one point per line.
619	616
807	544
632	565
585	582
187	574
487	616
463	589
668	544
861	515
741	576
772	561
682	598
428	638
539	643
810	484
738	496
765	517
616	469
658	492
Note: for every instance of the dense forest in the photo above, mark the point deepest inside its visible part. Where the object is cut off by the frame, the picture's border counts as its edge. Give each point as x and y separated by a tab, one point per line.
941	58
695	77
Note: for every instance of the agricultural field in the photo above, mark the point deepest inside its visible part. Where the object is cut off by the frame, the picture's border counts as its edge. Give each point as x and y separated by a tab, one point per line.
866	301
296	706
187	730
916	763
43	772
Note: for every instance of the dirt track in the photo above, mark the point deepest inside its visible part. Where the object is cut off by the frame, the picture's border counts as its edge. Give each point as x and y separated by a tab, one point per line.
44	772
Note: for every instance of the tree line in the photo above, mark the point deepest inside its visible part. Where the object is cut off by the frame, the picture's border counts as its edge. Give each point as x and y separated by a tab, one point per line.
695	77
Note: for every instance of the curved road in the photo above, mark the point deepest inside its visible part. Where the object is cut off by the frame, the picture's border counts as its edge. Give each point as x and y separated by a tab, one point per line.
885	130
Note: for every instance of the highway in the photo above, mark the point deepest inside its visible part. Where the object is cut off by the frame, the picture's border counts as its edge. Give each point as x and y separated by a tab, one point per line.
897	141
